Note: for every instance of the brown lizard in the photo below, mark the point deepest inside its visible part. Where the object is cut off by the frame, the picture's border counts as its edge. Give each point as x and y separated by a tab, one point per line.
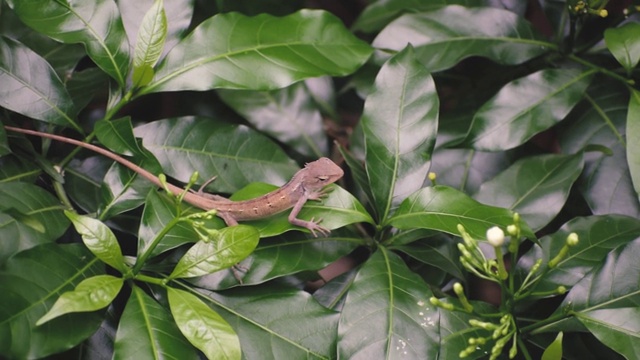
306	184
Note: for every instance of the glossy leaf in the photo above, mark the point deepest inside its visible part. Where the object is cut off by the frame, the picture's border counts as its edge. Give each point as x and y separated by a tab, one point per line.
31	87
536	187
28	216
400	122
149	44
234	154
624	44
99	240
96	24
226	248
31	282
438	252
91	294
203	327
598	235
308	43
466	169
289	115
443	208
633	138
525	107
617	328
147	331
279	322
554	350
444	37
387	313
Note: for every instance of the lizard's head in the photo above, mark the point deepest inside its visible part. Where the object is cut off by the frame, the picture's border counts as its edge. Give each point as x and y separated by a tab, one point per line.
320	173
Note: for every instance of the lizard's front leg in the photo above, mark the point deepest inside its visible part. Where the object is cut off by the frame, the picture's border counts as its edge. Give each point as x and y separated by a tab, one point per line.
312	225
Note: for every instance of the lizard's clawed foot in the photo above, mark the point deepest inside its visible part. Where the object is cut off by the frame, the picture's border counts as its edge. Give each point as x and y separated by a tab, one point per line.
237	269
320	194
314	226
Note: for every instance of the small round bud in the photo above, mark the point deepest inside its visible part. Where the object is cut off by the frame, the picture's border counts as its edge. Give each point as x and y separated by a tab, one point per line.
572	239
561	290
457	288
512	230
432	176
495	236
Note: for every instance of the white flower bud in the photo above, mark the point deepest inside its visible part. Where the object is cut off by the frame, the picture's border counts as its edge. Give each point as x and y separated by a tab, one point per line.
495	236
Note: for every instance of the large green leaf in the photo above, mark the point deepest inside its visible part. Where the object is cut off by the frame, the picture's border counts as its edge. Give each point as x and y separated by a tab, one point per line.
30	283
624	44
444	37
440	252
31	87
28	216
387	313
633	139
535	187
598	235
149	43
234	154
400	123
617	328
234	51
94	23
442	208
467	169
147	331
525	107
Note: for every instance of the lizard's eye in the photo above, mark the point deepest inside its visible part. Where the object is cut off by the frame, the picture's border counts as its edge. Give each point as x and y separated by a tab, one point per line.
323	178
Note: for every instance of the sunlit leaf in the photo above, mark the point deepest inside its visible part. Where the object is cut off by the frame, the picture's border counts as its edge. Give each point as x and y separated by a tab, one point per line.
554	350
617	328
624	44
149	44
633	139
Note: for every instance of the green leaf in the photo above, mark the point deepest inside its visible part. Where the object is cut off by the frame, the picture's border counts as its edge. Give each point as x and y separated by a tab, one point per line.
444	37
91	294
466	169
598	235
440	252
525	107
308	43
234	154
30	283
536	187
4	146
149	44
203	327
442	208
31	87
633	139
226	248
28	216
400	122
554	350
289	115
624	44
619	329
147	331
387	313
99	239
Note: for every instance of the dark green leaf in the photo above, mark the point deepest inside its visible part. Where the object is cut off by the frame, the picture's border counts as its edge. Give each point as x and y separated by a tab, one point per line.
619	329
84	85
624	44
387	313
440	252
598	236
31	87
30	283
443	208
96	24
4	146
83	179
525	107
149	43
289	115
226	248
466	169
203	327
400	122
234	154
18	168
444	37
633	139
554	350
305	44
535	187
147	331
91	294
99	239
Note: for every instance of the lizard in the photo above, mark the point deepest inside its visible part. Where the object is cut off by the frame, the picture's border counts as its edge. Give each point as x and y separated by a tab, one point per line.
306	184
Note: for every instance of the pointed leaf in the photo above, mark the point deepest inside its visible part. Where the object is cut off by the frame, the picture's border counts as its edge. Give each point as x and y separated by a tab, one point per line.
149	44
94	23
99	239
443	208
536	187
624	44
308	43
227	248
31	87
633	139
619	329
147	331
525	107
444	37
387	313
554	350
91	294
400	122
203	327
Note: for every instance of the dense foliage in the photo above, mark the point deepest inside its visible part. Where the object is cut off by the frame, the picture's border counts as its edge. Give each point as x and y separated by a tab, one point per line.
490	207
